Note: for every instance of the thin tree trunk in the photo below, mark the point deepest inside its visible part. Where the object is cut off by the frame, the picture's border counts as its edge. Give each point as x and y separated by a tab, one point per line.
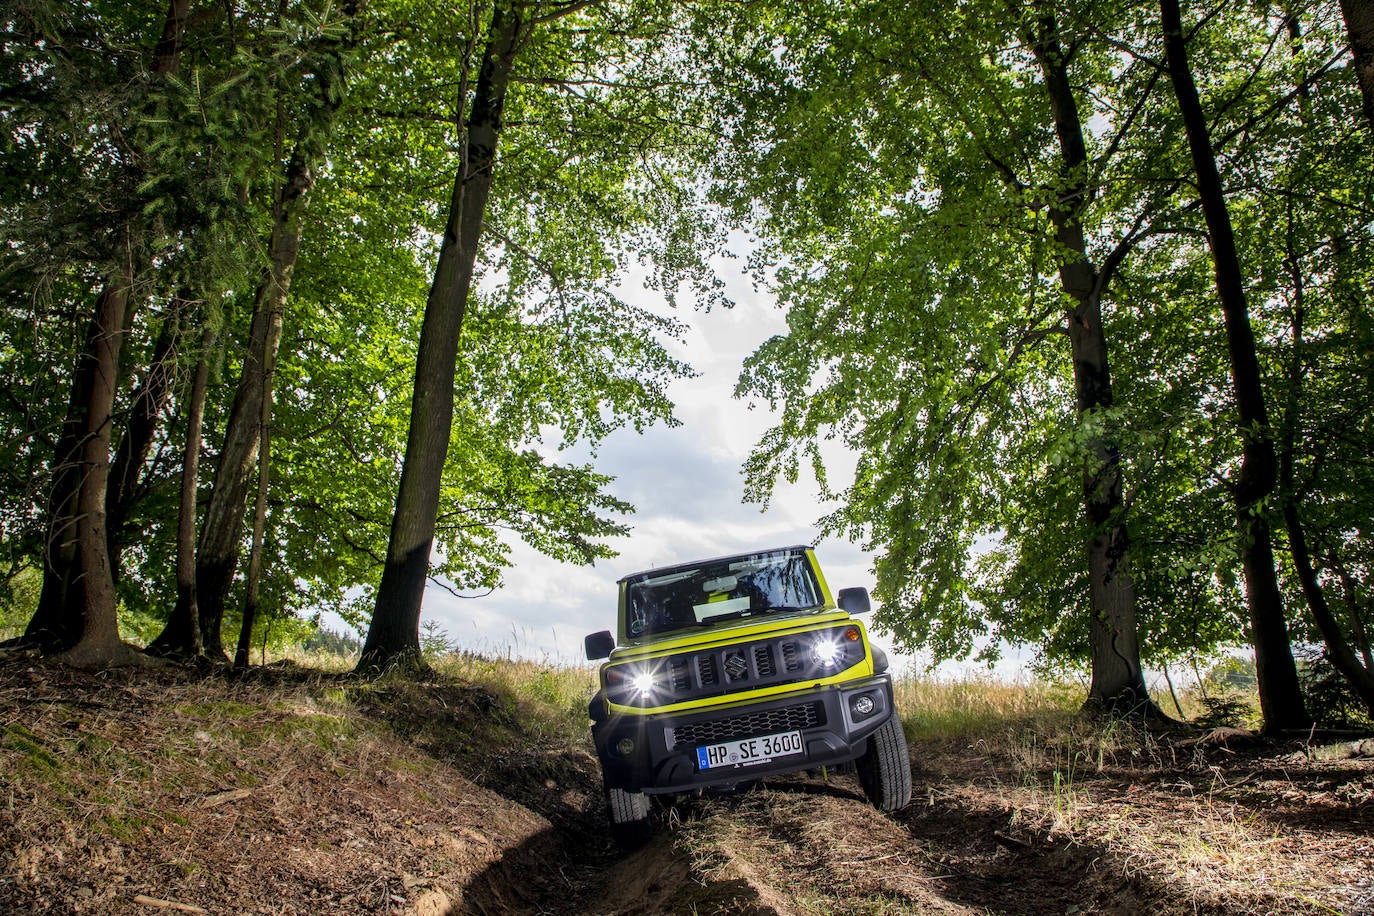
218	553
1338	648
394	634
150	400
250	603
1117	681
1357	612
182	632
1359	25
1280	696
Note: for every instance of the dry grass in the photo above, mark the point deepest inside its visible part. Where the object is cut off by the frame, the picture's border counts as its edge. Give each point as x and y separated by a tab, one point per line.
1253	828
300	791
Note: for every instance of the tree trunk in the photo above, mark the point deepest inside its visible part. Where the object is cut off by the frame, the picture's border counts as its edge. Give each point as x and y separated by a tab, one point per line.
149	402
1359	25
167	53
1354	607
250	603
93	603
394	634
1280	695
1338	648
218	552
1117	682
53	627
181	636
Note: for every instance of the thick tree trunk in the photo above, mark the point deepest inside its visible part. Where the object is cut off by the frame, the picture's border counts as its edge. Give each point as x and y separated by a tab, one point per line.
150	400
1359	25
51	629
1117	681
94	602
53	626
181	636
394	635
1280	695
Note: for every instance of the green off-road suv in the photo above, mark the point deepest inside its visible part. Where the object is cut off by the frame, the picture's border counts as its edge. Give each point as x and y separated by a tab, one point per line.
732	669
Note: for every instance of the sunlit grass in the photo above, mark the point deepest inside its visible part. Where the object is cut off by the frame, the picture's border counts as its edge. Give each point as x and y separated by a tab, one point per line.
934	708
551	693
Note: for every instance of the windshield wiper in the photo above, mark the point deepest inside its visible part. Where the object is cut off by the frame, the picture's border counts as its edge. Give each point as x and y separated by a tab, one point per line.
729	615
751	612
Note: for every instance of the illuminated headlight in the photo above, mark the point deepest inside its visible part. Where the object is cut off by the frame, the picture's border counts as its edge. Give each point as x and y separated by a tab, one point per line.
631	684
827	652
643	683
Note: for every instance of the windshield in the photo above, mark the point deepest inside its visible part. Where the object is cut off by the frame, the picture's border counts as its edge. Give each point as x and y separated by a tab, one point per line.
718	590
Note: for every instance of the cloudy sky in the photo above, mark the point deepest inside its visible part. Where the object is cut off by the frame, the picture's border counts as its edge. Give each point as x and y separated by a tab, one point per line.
687	488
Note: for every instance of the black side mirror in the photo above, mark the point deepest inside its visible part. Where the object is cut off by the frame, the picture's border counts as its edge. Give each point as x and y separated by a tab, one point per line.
599	645
854	600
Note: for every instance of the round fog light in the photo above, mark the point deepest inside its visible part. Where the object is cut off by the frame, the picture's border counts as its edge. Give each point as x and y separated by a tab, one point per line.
863	705
625	747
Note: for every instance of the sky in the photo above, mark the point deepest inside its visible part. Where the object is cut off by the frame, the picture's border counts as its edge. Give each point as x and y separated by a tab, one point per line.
686	485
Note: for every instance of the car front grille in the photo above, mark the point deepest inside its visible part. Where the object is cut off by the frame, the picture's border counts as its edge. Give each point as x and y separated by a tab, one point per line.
748	725
740	666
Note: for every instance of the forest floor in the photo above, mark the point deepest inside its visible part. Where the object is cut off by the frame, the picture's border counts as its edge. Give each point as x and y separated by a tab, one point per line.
289	791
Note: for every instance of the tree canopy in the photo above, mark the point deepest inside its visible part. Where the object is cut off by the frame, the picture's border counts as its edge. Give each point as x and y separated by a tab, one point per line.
988	227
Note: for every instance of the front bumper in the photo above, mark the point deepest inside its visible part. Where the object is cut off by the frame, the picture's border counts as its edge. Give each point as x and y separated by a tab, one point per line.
660	756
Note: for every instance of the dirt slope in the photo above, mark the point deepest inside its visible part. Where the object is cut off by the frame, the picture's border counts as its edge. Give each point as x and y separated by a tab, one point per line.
165	792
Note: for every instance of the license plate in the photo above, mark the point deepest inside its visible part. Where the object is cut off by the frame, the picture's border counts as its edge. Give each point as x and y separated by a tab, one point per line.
749	751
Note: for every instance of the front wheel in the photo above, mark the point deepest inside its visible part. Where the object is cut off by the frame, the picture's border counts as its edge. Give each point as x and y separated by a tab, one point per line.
630	824
885	768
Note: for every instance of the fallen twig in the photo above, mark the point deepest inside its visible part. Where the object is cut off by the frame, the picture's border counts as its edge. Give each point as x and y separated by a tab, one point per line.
167	904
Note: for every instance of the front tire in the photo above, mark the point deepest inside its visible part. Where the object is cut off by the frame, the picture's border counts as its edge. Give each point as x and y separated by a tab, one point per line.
630	824
885	768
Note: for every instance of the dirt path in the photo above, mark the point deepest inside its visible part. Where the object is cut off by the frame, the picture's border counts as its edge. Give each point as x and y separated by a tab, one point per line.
1263	834
1164	829
165	793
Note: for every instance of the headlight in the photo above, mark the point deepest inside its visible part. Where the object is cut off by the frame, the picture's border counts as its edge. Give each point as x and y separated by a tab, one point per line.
630	684
643	683
827	652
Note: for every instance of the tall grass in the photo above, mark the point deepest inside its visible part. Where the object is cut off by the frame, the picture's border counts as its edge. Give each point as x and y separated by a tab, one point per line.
935	709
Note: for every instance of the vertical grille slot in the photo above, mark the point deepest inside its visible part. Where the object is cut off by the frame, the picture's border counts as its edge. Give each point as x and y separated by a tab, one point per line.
763	660
679	675
791	657
707	672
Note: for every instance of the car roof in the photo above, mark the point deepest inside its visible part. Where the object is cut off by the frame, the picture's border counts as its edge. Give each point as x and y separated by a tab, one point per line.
663	570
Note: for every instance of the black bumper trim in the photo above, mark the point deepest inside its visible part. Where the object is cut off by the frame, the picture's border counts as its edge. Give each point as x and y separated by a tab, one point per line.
656	767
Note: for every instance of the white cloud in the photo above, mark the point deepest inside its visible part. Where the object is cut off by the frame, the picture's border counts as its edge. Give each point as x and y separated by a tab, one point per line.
687	488
688	491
